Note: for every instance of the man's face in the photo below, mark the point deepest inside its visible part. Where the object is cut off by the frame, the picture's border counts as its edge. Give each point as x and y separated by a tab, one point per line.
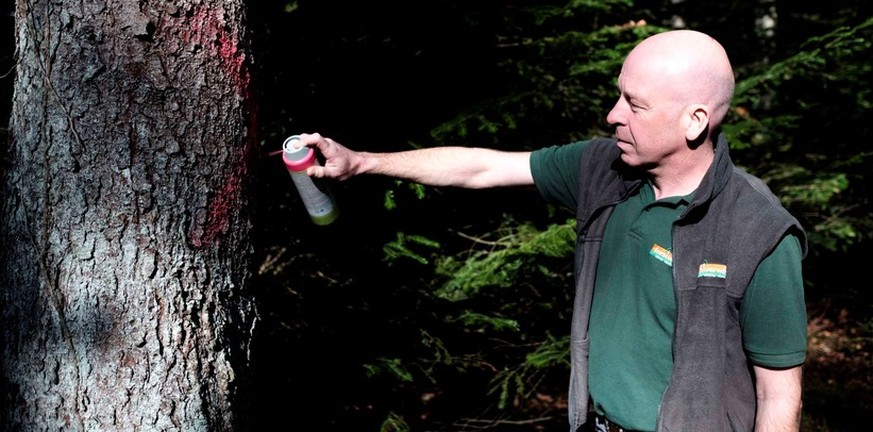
647	115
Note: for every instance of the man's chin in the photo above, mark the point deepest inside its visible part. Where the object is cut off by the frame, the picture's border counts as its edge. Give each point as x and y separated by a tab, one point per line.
626	158
626	150
630	159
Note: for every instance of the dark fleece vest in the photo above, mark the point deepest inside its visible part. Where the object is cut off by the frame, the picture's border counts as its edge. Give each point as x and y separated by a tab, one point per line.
734	220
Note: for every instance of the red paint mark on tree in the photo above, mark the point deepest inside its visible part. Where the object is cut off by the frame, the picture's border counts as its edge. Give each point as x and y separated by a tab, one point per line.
208	28
221	208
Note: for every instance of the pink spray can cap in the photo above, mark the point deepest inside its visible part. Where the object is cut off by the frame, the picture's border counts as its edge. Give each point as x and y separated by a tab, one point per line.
296	158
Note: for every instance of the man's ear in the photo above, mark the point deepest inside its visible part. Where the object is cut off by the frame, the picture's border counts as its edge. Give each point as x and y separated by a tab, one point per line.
696	122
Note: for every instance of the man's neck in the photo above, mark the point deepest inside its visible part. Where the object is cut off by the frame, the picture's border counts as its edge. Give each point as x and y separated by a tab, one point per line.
681	174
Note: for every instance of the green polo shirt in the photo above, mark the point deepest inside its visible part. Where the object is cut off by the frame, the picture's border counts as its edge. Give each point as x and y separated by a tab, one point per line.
634	307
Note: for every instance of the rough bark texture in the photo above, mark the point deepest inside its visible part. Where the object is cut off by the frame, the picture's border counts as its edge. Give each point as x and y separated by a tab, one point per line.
125	233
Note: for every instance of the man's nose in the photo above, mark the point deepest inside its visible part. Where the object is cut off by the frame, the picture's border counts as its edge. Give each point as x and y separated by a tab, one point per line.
614	116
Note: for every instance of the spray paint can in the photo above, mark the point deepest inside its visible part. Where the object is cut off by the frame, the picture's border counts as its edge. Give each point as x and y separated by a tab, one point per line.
317	197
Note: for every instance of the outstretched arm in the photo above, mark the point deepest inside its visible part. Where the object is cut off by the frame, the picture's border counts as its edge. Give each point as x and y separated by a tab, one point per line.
779	399
467	167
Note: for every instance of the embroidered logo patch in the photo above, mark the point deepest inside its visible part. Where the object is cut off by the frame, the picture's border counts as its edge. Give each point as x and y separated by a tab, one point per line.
662	254
712	270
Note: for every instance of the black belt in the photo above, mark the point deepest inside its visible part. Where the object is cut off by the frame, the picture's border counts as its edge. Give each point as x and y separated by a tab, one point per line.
603	423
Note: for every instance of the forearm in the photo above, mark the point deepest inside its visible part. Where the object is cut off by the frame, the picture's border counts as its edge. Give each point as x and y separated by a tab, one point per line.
779	399
467	167
449	166
778	416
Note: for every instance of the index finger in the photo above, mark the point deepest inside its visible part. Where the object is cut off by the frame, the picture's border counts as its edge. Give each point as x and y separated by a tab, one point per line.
310	140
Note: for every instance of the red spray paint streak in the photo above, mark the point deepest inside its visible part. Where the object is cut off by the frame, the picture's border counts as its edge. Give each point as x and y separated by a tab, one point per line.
208	28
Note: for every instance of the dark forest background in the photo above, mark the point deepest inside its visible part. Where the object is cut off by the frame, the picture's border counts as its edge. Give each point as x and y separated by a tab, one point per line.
437	309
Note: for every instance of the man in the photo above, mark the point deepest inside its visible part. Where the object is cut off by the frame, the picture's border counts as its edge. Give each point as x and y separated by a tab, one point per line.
689	312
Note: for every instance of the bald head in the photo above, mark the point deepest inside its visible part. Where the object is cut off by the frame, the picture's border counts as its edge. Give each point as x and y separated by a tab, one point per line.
693	65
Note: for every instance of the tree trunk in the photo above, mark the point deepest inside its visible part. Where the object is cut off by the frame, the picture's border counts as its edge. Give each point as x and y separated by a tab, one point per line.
125	231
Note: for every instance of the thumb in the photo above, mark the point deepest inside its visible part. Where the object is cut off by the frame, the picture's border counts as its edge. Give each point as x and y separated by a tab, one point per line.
316	171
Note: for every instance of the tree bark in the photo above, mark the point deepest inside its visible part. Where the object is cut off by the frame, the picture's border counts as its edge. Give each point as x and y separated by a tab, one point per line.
125	231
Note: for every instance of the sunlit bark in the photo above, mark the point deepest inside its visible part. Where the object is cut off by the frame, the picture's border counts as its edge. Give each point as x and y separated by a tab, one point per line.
125	233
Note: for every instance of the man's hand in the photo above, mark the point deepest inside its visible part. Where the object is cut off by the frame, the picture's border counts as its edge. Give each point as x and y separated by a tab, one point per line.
340	162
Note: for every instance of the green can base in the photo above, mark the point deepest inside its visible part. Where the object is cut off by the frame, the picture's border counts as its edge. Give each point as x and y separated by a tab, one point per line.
325	219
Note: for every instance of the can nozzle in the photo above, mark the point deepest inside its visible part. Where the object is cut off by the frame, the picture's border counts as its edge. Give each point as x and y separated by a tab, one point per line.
296	157
291	149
